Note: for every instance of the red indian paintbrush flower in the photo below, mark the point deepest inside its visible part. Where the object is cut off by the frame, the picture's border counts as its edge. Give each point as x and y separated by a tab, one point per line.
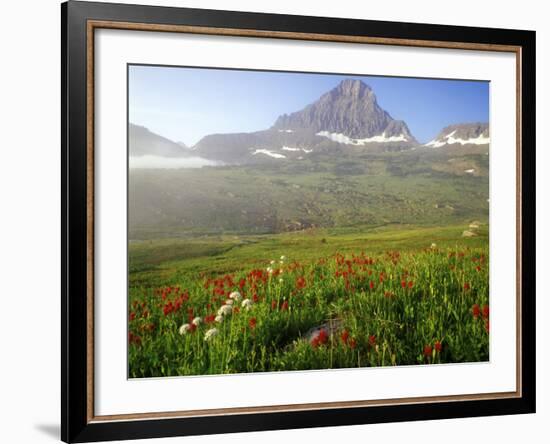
168	308
466	286
485	311
344	336
252	323
372	340
475	311
403	284
300	283
284	307
371	285
428	351
437	346
352	343
323	337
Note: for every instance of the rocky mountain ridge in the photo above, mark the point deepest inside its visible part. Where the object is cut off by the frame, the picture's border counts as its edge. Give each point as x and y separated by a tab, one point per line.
350	109
345	120
463	134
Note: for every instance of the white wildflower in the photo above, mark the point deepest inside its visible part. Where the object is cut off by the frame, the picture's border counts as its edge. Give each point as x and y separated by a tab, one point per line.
229	302
210	334
281	271
434	245
236	296
247	304
281	262
280	280
272	262
283	258
225	310
269	270
219	319
184	329
197	321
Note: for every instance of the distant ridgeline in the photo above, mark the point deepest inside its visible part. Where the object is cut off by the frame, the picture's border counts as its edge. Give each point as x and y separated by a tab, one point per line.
347	117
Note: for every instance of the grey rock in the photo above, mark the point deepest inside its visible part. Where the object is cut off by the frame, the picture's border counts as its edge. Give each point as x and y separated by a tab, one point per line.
332	326
351	109
464	131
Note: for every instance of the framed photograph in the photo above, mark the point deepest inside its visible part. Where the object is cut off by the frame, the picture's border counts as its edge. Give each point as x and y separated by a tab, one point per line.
275	221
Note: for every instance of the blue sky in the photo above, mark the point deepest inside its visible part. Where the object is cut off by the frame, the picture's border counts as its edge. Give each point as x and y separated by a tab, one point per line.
186	104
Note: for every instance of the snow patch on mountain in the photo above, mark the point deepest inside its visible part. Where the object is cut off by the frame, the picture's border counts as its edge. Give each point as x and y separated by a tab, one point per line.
291	148
381	138
269	153
450	140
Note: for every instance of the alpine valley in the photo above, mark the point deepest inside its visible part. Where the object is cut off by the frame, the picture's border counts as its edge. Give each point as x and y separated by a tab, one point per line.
342	161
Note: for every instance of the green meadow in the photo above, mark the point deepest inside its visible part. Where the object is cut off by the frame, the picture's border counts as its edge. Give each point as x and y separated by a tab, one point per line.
319	299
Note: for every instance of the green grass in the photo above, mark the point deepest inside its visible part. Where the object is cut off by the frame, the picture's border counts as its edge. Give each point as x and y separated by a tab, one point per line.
384	294
431	189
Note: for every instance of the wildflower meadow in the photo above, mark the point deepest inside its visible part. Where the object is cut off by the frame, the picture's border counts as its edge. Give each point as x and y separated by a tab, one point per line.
351	307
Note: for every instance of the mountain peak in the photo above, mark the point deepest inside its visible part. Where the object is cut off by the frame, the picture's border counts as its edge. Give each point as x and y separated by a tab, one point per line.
353	88
348	111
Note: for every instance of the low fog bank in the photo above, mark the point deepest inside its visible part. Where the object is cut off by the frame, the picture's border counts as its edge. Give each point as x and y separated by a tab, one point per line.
153	162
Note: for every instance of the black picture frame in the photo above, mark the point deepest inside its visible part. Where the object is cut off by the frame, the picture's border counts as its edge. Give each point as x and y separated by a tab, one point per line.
76	423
